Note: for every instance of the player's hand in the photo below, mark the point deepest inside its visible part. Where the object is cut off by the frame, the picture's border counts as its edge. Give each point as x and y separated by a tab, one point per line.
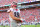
22	20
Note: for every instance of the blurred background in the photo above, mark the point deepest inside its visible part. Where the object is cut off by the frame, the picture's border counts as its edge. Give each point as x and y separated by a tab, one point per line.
29	10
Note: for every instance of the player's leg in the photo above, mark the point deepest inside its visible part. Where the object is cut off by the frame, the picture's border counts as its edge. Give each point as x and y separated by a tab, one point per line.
18	24
14	24
11	24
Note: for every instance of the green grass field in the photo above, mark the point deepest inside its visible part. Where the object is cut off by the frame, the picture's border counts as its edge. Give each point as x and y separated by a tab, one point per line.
30	25
25	26
5	26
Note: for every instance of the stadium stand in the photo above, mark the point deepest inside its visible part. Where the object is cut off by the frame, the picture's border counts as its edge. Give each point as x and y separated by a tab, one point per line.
30	14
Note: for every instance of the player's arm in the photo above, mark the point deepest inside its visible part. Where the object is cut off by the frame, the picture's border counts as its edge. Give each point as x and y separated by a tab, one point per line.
13	17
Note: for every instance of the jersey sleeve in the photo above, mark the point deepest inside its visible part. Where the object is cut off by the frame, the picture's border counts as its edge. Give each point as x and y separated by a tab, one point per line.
11	9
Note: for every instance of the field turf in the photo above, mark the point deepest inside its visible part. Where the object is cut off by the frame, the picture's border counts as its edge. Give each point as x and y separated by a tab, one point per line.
30	25
5	26
25	26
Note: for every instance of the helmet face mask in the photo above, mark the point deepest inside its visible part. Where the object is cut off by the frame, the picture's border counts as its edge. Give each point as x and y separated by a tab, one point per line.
14	5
